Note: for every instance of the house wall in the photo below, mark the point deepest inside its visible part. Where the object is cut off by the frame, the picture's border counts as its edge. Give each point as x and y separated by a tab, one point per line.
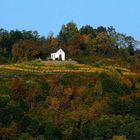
57	54
53	56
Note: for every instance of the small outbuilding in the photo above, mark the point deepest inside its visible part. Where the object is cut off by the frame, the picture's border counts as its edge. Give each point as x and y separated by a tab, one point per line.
59	54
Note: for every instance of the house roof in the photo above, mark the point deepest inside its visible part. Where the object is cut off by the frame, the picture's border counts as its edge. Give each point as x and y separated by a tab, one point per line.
57	49
61	50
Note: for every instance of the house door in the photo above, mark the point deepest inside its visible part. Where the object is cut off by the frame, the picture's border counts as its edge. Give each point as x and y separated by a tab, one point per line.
60	57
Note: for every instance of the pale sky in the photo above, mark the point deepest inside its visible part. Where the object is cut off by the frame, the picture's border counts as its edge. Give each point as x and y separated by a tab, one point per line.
48	15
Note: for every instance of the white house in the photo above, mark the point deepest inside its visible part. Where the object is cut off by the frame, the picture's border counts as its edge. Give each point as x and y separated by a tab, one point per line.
59	54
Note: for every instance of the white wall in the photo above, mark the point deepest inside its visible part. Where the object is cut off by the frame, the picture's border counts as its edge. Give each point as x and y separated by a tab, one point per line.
56	55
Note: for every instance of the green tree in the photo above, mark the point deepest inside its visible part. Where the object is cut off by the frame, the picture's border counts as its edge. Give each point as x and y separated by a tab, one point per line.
88	30
6	109
131	49
101	29
67	31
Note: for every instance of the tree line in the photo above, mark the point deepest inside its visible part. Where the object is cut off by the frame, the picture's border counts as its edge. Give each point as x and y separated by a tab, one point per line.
84	44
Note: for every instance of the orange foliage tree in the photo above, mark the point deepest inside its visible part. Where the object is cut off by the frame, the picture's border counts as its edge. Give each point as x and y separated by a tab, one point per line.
17	86
25	50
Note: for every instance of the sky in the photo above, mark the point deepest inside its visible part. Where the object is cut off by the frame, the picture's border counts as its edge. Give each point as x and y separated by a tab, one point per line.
47	16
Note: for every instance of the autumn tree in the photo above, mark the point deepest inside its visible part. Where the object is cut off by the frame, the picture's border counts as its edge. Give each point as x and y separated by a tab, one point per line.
78	44
18	89
103	43
49	44
52	103
8	38
98	88
119	138
25	50
68	92
4	132
33	94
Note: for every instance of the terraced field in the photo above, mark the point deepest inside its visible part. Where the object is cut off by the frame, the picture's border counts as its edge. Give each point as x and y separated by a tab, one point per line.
43	67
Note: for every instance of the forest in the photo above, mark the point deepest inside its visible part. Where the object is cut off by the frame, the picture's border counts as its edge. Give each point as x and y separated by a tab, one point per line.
85	45
68	105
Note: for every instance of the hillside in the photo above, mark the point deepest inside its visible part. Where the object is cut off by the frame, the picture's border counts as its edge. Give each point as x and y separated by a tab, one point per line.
40	101
93	95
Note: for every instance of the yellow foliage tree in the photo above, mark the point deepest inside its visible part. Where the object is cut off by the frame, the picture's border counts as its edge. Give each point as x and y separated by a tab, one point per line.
119	138
68	92
126	82
53	103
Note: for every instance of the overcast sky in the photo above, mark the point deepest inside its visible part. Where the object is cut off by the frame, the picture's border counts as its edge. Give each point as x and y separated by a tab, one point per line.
48	15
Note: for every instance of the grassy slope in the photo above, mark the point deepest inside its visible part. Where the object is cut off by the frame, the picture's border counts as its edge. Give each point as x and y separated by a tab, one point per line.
42	67
72	98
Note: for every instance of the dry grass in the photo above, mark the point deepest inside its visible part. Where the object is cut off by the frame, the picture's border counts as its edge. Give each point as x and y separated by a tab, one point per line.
43	67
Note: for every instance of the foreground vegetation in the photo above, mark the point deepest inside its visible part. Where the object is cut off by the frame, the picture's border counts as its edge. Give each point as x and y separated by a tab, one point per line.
72	106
